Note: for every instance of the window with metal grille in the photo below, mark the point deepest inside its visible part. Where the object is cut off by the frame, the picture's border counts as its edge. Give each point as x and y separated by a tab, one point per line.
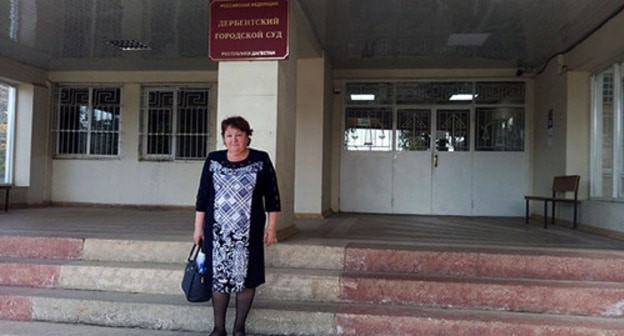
87	121
7	117
607	136
175	123
399	116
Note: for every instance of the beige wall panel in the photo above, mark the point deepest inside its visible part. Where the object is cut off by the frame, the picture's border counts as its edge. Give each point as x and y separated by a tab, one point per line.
309	149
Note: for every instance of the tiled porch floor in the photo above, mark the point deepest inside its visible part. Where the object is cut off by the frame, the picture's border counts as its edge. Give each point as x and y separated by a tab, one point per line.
337	230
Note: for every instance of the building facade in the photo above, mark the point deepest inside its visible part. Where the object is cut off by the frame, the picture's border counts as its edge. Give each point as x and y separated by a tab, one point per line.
138	137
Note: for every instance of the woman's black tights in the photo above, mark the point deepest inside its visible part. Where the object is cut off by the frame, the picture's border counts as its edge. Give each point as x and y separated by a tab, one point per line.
220	302
219	306
244	300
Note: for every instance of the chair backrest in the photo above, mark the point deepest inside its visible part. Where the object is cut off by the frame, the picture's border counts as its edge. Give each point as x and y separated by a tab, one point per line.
569	183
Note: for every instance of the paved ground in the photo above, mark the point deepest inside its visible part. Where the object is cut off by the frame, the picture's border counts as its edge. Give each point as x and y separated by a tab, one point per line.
340	229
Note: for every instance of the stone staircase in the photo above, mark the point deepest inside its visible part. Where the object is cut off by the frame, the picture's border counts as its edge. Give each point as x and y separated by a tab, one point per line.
312	289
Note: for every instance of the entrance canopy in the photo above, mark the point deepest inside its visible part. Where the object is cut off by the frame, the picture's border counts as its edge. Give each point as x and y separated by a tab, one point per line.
82	34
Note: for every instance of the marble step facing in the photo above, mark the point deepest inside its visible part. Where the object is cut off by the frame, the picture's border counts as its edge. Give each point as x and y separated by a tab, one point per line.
551	264
559	264
357	289
524	295
157	278
604	299
172	313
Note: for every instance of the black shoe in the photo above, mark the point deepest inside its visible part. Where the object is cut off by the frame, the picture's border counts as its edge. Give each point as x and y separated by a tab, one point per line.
240	332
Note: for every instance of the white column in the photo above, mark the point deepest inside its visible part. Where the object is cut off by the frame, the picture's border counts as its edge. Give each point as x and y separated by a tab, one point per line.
311	200
265	93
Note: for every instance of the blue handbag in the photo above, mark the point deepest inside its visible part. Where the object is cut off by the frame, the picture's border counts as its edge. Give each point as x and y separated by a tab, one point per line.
196	282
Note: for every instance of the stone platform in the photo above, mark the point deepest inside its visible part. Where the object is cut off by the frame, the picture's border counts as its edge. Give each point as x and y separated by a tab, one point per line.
119	271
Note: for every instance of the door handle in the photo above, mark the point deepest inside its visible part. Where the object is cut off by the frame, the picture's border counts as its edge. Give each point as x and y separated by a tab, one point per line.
435	160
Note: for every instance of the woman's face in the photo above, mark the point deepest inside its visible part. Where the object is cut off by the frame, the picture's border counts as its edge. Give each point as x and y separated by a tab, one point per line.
235	140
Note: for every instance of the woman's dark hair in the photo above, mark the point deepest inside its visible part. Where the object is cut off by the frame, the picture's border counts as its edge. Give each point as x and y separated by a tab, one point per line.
236	122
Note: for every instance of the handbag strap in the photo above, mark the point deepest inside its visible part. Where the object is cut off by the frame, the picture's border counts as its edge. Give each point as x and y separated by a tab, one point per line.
194	251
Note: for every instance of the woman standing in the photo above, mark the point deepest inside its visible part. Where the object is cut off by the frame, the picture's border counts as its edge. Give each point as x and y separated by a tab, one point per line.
237	187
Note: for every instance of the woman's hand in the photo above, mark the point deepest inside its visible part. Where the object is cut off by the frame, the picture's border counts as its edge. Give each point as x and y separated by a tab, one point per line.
270	232
198	235
270	236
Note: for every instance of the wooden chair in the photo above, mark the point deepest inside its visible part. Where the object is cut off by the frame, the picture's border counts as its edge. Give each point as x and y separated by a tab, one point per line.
561	185
6	187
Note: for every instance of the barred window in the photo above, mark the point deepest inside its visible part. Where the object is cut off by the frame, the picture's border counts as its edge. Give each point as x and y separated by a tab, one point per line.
405	111
7	117
368	129
175	123
87	121
500	129
500	116
607	151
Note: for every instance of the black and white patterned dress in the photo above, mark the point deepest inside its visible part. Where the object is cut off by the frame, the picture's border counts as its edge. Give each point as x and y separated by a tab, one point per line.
235	197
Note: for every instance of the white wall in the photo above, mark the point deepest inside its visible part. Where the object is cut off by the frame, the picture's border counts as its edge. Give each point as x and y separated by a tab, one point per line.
127	180
32	162
565	87
564	149
549	146
40	182
578	130
309	160
327	139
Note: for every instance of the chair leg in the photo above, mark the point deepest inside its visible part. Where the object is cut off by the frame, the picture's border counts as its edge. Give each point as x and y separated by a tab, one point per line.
553	214
545	214
6	201
574	223
526	213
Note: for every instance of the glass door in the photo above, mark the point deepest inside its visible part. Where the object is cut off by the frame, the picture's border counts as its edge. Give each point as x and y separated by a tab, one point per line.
412	162
451	177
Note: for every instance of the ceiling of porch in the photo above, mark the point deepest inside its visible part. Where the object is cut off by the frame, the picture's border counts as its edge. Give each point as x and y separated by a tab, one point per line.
73	34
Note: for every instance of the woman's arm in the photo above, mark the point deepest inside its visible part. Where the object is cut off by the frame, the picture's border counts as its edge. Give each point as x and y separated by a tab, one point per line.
270	231
203	199
198	235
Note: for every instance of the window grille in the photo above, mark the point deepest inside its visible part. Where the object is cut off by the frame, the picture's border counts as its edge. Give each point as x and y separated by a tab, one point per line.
87	121
500	116
500	129
175	123
387	115
413	130
7	114
453	130
607	164
368	129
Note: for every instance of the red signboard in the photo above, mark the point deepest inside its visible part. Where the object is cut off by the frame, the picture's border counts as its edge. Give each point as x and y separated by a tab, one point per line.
248	30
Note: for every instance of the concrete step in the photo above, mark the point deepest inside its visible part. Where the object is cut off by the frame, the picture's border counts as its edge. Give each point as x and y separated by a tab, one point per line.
360	289
278	255
160	312
557	297
157	278
521	295
377	320
487	262
163	312
30	328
